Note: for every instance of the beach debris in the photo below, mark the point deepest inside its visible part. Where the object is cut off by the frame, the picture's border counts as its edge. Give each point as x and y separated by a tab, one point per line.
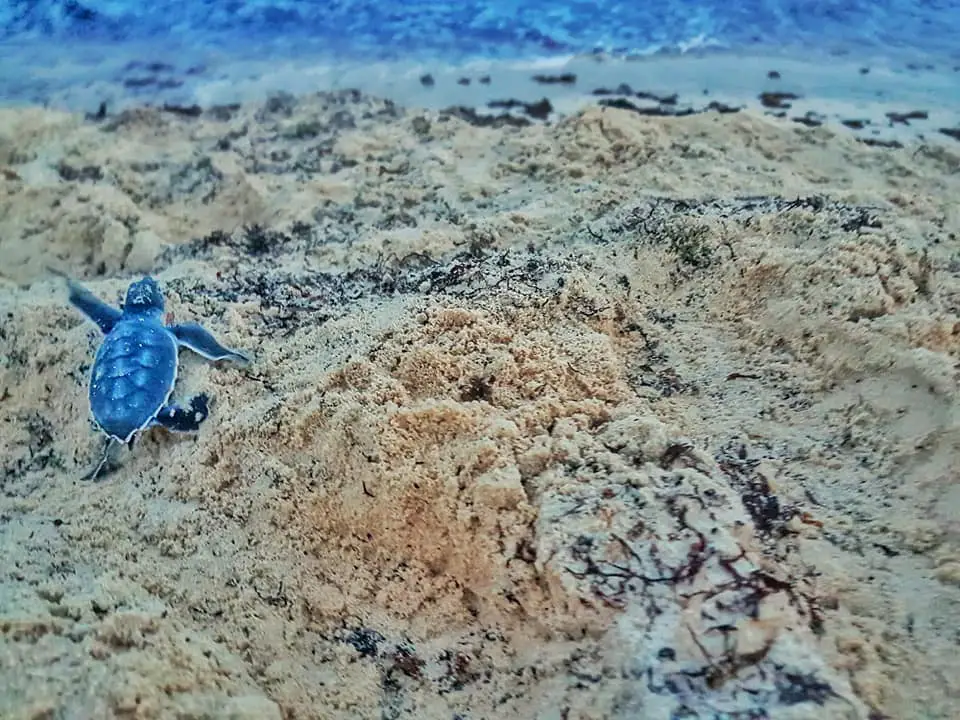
904	118
777	100
135	368
561	79
538	110
951	132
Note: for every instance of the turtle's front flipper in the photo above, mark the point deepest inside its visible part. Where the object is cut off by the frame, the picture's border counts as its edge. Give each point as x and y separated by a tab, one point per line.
105	316
199	339
185	420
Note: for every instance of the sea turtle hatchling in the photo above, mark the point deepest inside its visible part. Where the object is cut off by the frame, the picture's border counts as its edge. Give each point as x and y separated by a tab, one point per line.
135	368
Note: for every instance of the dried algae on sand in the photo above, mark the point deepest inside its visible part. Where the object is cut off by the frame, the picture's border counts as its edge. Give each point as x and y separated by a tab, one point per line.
615	417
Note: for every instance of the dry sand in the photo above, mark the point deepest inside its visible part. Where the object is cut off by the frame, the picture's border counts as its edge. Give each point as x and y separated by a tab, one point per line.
614	417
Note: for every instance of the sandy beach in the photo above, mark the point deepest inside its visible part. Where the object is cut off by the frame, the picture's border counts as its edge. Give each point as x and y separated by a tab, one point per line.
636	406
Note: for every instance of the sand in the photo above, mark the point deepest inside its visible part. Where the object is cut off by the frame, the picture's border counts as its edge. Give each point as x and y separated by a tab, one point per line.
608	416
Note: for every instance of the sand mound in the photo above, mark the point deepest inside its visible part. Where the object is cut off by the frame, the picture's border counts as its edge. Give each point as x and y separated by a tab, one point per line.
616	417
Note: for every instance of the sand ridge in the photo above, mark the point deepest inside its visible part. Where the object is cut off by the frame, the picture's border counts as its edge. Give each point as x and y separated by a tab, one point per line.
618	416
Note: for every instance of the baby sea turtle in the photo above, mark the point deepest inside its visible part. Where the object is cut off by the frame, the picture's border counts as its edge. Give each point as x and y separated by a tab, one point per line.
135	368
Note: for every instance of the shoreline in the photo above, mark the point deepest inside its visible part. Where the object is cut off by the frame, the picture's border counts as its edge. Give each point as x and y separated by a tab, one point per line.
882	101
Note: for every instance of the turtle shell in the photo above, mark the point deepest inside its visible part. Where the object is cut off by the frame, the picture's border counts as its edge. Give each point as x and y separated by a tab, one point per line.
132	377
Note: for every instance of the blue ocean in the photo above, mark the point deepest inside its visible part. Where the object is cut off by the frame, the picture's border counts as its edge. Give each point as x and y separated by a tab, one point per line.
505	28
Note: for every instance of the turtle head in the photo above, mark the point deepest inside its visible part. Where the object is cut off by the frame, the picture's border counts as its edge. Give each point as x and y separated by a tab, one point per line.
144	298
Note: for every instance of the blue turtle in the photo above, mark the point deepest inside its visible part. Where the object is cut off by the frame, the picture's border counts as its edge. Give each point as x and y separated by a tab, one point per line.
135	368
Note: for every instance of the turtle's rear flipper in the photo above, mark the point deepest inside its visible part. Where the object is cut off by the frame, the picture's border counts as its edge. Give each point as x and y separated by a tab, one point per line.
178	419
202	342
104	459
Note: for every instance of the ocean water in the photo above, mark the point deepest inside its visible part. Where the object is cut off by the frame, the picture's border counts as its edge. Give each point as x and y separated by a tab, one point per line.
454	30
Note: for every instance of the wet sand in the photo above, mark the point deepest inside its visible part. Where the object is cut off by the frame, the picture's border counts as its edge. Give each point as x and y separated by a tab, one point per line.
601	415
